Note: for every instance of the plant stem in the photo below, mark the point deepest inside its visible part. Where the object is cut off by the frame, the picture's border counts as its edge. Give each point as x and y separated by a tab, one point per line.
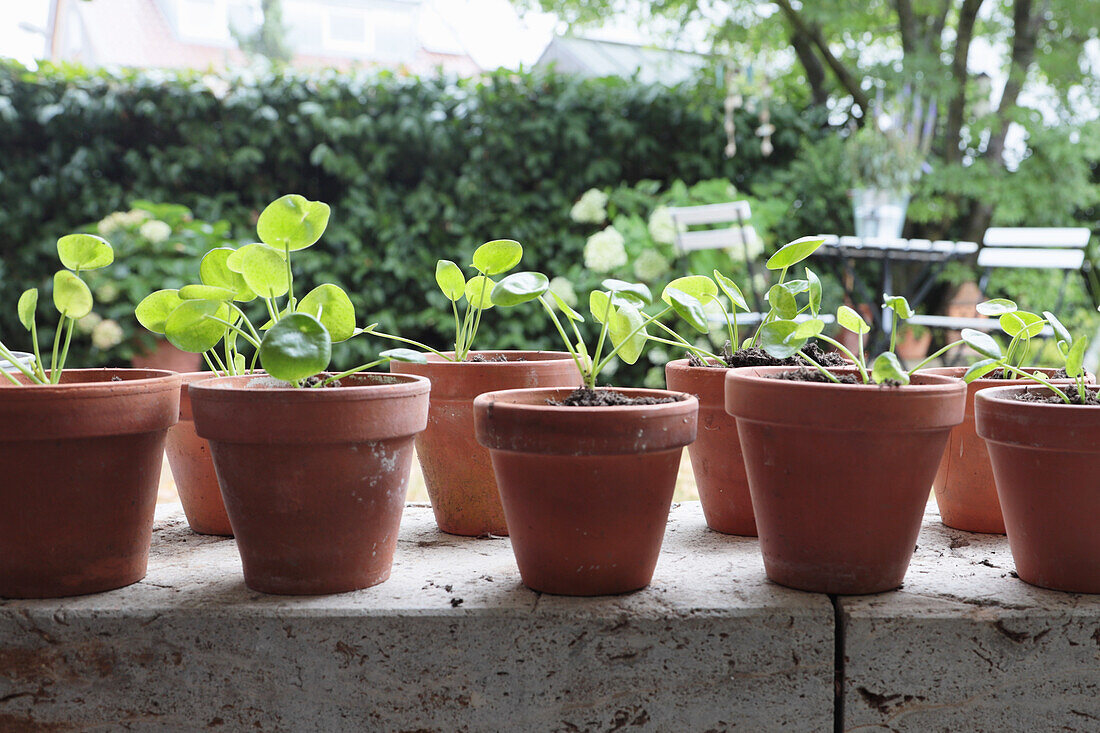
55	376
1041	379
682	342
244	318
894	330
37	355
588	378
4	352
236	330
271	310
480	310
209	363
56	346
214	353
413	343
935	356
292	302
603	328
849	354
820	368
349	372
622	343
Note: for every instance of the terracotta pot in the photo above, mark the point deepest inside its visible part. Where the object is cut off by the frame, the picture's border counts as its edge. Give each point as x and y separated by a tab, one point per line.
457	471
1045	459
314	480
80	463
193	469
166	356
586	490
911	347
965	490
716	453
839	474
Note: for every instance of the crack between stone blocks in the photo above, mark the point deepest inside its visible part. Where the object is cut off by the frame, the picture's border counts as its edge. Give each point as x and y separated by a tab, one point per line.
838	665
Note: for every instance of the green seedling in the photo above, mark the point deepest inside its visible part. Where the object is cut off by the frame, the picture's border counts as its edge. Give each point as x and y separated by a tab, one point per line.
490	260
71	297
618	309
296	342
1072	351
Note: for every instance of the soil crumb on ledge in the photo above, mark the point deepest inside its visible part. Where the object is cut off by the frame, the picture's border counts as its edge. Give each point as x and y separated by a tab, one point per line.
585	397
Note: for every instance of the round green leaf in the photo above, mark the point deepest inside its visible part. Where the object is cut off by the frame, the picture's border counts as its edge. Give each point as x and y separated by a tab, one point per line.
264	270
699	287
899	305
886	367
979	369
625	328
153	311
71	295
983	343
479	291
850	320
498	256
205	292
1062	332
566	308
1021	323
28	304
214	270
782	302
450	279
333	308
996	307
794	252
292	222
192	327
814	288
809	328
405	355
794	287
1076	357
519	287
778	339
688	308
84	252
729	287
296	347
632	291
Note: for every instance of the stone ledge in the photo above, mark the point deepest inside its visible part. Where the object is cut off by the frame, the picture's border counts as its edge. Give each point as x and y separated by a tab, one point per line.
964	645
452	641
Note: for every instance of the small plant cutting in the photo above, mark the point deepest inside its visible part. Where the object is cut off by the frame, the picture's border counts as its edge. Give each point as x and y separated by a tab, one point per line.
314	480
71	297
85	446
1043	448
586	475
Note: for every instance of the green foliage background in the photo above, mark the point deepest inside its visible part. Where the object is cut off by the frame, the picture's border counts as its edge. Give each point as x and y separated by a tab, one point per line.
414	169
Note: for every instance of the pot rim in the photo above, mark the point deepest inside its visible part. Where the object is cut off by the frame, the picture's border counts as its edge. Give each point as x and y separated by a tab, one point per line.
405	385
434	360
941	383
959	371
77	389
497	397
1006	396
683	364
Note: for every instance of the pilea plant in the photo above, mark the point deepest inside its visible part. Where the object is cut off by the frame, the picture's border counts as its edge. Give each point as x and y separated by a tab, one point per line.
489	260
1070	349
296	342
73	300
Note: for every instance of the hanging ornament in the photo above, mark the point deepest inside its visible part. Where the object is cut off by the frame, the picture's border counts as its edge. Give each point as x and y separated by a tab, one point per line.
733	101
766	129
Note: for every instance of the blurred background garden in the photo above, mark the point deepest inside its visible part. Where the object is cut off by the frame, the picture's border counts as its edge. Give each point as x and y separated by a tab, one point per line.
431	126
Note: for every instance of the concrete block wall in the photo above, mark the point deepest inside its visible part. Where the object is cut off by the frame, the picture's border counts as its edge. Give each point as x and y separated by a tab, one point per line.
454	642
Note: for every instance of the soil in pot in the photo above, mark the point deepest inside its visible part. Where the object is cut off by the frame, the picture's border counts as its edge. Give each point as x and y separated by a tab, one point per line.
81	462
716	458
314	480
458	472
965	490
586	490
193	469
839	474
1044	457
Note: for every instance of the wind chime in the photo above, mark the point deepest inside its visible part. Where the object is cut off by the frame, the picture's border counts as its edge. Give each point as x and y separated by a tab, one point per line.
735	100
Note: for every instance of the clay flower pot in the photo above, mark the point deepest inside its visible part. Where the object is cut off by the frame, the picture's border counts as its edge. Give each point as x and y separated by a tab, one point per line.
314	480
716	453
80	463
457	471
839	474
586	490
965	490
193	469
1045	459
166	356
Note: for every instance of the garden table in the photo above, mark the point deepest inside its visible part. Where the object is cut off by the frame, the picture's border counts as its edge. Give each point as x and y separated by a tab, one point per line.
840	253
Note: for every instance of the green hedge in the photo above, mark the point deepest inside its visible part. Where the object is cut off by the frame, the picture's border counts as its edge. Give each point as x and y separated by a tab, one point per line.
414	169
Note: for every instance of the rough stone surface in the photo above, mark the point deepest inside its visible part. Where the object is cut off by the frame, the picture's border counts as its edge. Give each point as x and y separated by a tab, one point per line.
452	642
965	645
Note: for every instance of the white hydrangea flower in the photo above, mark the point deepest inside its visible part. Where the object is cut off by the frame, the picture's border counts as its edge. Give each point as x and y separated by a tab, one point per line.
155	230
109	224
605	250
89	322
563	288
650	265
591	208
134	216
753	243
661	226
107	292
106	335
657	355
